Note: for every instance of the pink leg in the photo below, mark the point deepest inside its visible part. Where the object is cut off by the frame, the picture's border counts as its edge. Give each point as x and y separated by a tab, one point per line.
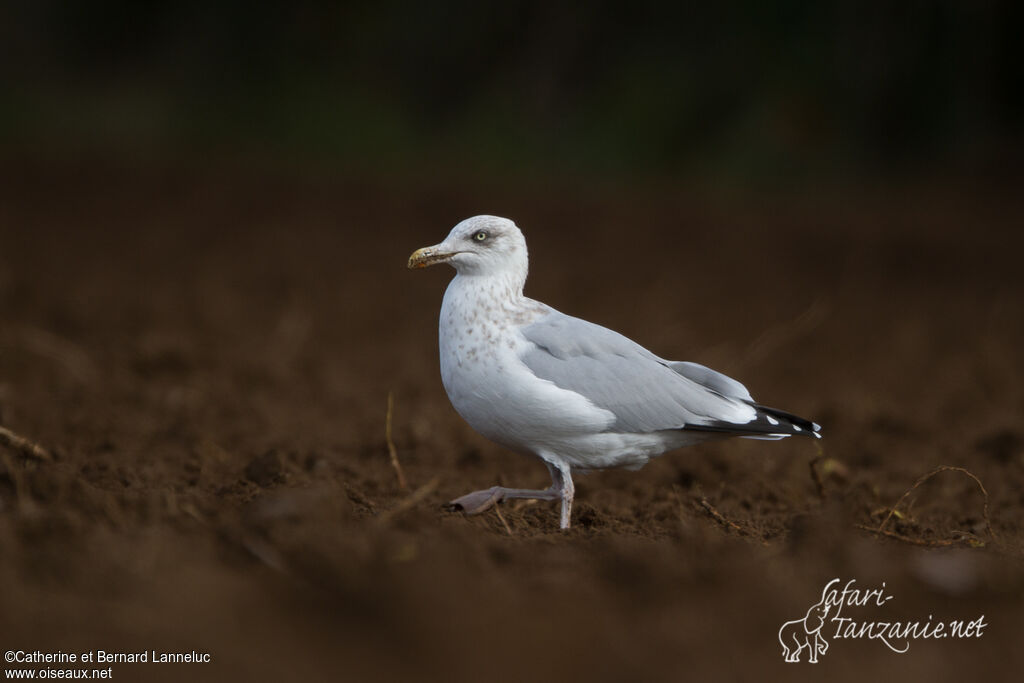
561	489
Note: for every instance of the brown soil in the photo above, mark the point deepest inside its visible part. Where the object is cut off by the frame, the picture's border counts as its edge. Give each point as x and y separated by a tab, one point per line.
208	357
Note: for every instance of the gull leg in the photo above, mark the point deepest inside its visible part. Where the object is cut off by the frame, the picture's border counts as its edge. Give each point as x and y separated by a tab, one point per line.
479	501
562	477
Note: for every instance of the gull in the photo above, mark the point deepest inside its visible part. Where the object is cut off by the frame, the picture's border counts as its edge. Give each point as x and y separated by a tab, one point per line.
577	395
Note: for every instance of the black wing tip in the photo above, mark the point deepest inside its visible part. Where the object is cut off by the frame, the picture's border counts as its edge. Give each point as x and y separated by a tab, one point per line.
799	426
769	423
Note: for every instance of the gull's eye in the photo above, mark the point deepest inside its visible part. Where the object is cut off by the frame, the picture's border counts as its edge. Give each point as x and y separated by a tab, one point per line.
480	236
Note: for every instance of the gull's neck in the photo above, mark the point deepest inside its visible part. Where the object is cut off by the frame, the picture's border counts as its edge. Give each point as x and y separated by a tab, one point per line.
495	298
505	285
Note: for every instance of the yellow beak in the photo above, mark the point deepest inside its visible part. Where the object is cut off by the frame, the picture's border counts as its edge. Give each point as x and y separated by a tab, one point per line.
428	256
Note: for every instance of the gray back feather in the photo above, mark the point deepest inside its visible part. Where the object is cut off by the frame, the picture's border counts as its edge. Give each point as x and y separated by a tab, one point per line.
644	392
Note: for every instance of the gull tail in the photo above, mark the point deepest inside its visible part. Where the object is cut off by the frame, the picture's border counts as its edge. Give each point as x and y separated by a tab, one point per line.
769	424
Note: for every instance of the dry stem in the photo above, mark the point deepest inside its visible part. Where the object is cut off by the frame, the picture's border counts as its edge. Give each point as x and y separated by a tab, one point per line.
391	444
934	543
26	447
497	509
815	475
718	517
408	502
922	479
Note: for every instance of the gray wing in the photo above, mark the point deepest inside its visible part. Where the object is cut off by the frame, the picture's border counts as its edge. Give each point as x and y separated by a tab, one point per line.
644	392
713	380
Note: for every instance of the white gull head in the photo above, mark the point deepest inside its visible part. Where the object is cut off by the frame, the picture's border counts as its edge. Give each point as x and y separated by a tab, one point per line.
481	245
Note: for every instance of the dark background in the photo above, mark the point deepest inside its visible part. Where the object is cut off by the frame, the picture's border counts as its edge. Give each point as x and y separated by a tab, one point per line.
205	212
746	90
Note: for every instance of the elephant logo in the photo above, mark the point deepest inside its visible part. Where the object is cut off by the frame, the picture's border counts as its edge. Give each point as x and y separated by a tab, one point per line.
796	635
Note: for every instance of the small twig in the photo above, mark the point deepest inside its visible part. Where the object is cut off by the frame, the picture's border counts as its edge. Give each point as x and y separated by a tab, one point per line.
815	475
718	517
391	444
408	502
497	509
26	447
939	543
925	477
